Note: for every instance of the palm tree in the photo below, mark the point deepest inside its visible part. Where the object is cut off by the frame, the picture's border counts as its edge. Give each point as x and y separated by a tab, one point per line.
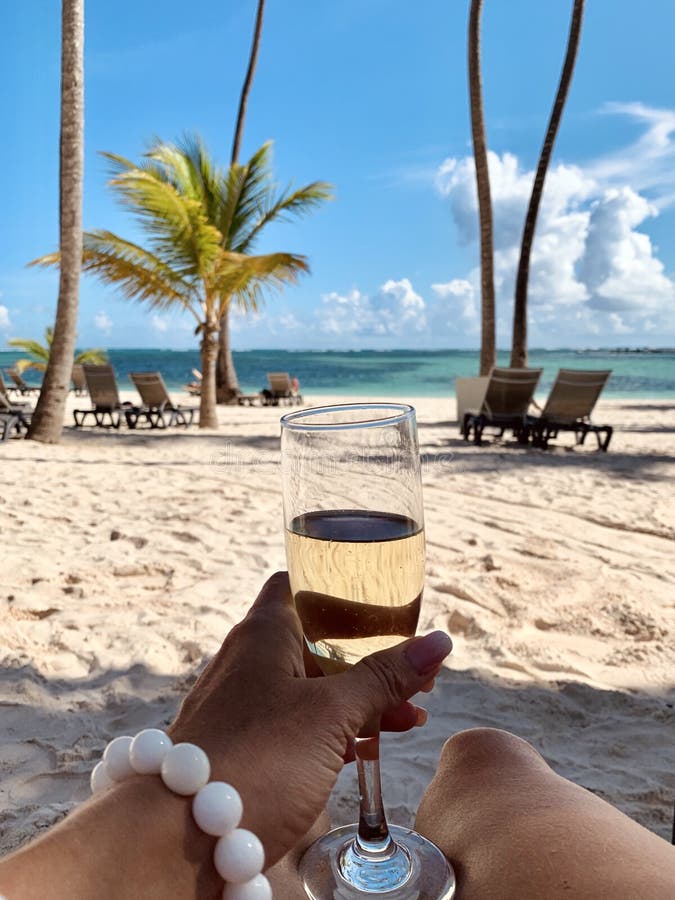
47	420
39	354
227	385
201	222
519	337
254	204
248	81
487	282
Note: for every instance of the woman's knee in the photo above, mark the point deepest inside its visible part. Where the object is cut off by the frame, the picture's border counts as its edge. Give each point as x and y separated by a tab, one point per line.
480	751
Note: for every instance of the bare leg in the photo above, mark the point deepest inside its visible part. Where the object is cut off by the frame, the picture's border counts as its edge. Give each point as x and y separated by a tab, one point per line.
515	830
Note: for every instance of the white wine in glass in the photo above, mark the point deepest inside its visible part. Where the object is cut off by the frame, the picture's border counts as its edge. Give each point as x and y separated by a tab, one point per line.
354	530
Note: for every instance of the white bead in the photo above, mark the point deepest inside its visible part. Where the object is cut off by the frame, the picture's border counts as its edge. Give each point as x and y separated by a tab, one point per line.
217	808
99	779
238	856
257	888
185	769
116	756
148	750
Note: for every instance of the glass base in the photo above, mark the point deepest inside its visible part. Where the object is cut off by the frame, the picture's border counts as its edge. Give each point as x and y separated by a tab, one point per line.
414	869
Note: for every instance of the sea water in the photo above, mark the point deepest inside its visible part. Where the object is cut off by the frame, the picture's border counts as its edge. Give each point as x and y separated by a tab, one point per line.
394	373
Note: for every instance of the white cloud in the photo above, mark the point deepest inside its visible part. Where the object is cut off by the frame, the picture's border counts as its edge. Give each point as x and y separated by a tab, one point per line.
459	292
5	323
648	164
159	324
591	269
103	322
394	310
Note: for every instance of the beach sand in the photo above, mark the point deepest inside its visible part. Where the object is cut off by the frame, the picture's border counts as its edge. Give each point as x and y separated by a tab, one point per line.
126	557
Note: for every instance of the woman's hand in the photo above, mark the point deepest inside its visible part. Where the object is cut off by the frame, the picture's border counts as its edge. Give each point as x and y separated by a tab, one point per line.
281	737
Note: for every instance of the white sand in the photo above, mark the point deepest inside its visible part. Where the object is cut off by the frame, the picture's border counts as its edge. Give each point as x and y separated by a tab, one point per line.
125	558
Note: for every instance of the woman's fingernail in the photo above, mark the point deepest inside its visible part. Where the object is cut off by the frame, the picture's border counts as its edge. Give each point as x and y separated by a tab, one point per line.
424	653
422	716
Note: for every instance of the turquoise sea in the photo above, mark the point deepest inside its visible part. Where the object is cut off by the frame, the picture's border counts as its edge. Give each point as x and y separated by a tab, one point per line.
397	373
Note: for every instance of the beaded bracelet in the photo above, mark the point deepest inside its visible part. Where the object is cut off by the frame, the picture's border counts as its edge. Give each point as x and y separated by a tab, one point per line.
238	856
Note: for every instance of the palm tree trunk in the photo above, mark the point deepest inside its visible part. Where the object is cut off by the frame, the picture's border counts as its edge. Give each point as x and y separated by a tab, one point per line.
227	386
487	282
227	383
519	338
47	423
208	415
248	81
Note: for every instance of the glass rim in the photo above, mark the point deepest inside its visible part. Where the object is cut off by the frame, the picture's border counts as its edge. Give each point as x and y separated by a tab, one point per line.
403	412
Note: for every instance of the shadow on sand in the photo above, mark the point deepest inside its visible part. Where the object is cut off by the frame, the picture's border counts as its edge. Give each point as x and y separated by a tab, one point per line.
616	744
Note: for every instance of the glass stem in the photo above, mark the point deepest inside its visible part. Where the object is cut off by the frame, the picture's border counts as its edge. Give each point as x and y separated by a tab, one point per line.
373	838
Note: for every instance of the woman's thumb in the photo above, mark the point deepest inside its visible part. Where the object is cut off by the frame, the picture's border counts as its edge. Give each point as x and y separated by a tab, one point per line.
381	681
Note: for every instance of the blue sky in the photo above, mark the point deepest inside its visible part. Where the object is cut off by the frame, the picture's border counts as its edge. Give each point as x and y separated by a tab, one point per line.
371	96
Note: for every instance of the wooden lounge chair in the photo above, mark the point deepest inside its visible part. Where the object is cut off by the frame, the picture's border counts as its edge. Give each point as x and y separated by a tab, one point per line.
79	381
508	394
158	407
7	389
569	407
280	390
20	385
105	399
13	416
8	423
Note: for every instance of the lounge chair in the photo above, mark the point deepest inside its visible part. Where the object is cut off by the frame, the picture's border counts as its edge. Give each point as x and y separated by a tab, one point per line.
8	423
13	416
569	407
508	394
158	407
195	387
105	398
79	381
20	385
6	388
280	389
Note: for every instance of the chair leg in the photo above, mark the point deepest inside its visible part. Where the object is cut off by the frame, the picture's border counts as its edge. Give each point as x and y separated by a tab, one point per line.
6	428
466	426
478	428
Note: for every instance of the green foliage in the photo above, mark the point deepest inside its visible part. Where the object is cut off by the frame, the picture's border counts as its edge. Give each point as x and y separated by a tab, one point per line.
201	224
38	354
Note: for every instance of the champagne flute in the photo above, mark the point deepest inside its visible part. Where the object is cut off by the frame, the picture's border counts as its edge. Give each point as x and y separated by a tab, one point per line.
354	528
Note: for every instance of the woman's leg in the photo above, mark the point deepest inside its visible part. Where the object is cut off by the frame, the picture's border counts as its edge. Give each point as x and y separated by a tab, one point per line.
515	830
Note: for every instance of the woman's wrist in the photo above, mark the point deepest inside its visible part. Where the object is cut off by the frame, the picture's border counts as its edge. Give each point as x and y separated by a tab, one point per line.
214	805
136	839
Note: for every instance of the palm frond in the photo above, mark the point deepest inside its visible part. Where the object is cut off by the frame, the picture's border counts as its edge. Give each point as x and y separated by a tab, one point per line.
245	278
245	190
23	365
35	348
140	274
179	231
95	356
283	207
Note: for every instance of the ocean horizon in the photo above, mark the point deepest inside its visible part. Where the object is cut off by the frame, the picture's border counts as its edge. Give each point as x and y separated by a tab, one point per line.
639	373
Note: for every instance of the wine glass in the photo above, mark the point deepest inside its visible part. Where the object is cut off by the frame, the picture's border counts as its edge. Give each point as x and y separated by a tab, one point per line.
354	529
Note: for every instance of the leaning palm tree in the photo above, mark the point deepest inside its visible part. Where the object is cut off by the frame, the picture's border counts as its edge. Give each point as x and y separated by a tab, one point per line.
248	81
189	207
487	281
226	377
47	421
519	337
251	203
39	354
